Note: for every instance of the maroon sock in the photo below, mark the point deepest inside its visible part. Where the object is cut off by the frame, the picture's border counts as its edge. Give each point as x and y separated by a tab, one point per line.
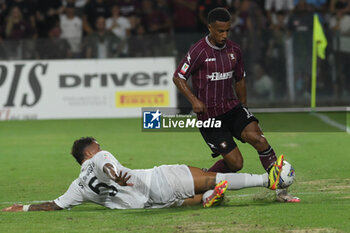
220	166
267	158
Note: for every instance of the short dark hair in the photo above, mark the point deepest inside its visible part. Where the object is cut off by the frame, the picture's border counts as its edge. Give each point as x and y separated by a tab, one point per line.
78	147
219	14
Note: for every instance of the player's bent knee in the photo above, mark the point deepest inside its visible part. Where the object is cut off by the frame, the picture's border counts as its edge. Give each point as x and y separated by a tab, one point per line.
234	161
262	141
236	166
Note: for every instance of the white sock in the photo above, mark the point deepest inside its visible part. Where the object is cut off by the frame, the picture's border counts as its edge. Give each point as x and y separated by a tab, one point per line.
265	179
207	194
242	180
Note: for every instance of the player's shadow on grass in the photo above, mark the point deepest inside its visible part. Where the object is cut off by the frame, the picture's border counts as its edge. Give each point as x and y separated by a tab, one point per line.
176	210
230	203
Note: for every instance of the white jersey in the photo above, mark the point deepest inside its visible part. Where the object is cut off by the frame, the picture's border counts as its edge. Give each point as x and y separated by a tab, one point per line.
93	185
123	25
72	31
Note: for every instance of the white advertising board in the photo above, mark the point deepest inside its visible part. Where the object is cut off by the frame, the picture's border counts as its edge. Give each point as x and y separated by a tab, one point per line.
63	89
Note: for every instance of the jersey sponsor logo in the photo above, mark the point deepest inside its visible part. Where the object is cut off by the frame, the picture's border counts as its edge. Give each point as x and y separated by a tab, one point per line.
216	76
184	68
132	99
151	120
210	59
232	56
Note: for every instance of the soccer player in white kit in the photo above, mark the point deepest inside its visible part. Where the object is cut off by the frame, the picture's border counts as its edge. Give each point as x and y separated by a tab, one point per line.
104	181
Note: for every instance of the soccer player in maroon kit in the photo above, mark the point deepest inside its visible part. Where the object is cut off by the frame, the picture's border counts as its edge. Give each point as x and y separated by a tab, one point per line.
212	63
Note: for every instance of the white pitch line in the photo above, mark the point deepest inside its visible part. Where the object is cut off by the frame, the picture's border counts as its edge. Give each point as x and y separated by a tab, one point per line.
331	122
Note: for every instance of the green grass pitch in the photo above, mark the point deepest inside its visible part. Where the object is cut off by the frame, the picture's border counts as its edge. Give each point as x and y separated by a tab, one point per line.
35	165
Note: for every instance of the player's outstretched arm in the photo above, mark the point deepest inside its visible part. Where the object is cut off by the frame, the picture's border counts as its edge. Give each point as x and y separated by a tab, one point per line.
118	178
47	206
197	105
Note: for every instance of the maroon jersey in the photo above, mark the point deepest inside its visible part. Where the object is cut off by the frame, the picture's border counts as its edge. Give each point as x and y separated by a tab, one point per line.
212	70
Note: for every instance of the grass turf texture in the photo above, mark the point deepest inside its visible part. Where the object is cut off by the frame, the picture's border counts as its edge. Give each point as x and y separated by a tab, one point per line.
35	165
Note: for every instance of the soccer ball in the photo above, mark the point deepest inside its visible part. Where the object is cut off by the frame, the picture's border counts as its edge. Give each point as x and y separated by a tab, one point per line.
287	175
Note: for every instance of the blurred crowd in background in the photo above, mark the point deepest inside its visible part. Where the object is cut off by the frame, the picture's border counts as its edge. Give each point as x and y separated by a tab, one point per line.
265	29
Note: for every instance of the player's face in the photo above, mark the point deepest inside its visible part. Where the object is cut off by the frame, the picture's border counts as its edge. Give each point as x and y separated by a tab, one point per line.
219	32
92	149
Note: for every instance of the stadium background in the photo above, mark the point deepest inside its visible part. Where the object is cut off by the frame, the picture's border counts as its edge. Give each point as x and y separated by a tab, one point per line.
275	36
36	49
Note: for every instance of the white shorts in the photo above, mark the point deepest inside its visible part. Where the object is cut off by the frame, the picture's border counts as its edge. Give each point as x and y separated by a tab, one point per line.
170	186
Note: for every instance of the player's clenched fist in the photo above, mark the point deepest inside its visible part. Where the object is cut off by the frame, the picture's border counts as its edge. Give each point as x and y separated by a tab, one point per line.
199	107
